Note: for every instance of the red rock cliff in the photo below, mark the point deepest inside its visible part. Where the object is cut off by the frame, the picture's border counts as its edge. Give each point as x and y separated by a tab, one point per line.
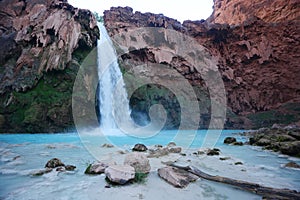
42	43
258	57
235	12
39	36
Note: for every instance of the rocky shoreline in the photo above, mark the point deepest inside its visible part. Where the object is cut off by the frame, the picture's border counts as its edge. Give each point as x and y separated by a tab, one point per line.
175	166
285	140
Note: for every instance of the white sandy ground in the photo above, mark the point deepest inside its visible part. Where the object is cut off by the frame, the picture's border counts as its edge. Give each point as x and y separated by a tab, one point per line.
15	168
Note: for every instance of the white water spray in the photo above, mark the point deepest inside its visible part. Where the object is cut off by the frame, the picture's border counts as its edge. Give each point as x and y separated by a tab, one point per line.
112	92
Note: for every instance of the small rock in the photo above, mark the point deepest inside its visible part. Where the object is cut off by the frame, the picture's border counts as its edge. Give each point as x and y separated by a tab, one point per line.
107	145
139	147
277	126
238	163
16	157
60	169
70	167
138	161
229	140
41	172
171	144
120	174
158	146
199	152
213	152
238	143
53	163
224	158
96	168
158	152
121	152
292	165
216	149
183	154
176	177
175	150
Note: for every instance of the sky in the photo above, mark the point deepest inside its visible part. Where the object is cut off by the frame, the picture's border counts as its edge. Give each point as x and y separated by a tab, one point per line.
176	9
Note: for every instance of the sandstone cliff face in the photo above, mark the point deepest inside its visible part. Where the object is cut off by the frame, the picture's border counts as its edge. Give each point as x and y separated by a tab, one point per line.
235	12
257	58
42	44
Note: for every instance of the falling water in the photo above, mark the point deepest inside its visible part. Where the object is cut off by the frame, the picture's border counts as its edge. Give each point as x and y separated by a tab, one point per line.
114	104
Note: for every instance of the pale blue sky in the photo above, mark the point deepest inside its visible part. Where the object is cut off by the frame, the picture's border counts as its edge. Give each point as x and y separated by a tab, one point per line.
177	9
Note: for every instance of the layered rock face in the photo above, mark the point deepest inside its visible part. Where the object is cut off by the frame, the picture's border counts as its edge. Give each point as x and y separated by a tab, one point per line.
42	44
257	57
235	12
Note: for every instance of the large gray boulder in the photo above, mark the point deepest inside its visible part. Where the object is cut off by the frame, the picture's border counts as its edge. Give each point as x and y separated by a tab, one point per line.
138	161
176	177
120	174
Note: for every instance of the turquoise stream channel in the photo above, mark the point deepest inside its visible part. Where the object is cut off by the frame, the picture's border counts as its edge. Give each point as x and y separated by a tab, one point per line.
23	154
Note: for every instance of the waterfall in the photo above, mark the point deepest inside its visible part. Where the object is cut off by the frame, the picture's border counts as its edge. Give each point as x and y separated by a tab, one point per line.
113	100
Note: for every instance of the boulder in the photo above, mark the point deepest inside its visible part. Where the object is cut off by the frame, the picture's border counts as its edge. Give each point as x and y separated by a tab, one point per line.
138	161
96	168
238	163
229	140
107	145
292	165
159	152
295	134
41	172
286	138
175	150
290	148
225	158
53	163
70	167
171	144
238	143
176	177
277	126
120	174
139	147
263	142
213	152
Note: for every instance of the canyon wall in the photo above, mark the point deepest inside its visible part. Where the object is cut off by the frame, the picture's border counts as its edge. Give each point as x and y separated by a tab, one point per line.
257	53
42	44
254	44
235	12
